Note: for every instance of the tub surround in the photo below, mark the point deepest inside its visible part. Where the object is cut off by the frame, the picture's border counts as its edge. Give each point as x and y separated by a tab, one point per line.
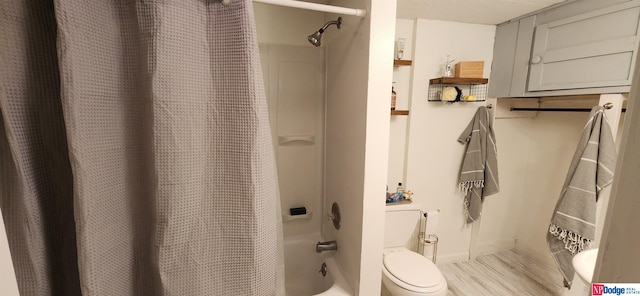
302	264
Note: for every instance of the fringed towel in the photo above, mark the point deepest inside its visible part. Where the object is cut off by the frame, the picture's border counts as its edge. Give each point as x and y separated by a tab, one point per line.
573	225
479	173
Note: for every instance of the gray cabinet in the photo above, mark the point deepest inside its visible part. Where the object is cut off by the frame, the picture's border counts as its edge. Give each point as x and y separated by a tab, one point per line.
510	67
589	52
595	49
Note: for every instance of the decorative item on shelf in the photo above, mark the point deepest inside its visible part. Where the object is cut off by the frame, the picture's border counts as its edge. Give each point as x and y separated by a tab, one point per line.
451	94
469	69
400	48
451	89
448	70
408	194
469	98
393	97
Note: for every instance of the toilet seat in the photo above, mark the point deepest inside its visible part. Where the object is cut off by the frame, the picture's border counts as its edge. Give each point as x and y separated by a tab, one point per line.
412	272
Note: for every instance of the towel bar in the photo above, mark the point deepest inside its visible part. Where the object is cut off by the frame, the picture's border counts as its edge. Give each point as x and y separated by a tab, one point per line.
607	106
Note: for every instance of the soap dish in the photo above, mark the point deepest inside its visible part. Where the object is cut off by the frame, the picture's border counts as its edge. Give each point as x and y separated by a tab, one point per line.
287	217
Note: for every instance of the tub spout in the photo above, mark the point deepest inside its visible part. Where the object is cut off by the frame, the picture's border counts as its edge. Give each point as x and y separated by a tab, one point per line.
326	246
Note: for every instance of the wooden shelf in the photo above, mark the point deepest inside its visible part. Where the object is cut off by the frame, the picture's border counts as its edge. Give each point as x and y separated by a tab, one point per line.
456	80
397	63
399	112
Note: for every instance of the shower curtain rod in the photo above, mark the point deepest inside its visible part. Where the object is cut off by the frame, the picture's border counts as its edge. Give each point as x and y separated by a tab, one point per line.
606	106
316	7
557	109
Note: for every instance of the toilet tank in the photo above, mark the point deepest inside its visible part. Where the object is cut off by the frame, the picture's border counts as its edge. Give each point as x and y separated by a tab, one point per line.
402	225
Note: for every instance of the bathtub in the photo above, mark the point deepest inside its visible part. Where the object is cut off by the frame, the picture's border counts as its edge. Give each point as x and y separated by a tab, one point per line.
302	266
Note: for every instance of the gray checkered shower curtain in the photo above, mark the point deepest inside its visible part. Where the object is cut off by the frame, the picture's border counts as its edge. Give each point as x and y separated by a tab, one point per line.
135	151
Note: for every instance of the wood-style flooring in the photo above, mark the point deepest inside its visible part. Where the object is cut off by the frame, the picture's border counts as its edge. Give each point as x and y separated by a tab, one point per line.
503	273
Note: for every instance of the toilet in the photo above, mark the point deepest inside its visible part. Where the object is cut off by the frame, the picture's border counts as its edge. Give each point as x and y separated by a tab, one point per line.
583	263
405	272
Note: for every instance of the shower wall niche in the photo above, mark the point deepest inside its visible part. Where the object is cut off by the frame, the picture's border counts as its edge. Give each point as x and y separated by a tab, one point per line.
294	79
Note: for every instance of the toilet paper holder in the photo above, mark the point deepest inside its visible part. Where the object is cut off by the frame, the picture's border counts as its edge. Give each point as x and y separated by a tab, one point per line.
429	240
425	239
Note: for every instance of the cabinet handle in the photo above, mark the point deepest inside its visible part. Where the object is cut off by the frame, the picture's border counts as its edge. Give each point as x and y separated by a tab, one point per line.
536	59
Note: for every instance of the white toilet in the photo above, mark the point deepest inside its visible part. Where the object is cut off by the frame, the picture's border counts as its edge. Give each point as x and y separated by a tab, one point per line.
583	263
404	272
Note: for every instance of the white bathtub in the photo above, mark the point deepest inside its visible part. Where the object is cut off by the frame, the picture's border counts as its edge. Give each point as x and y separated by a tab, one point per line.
302	266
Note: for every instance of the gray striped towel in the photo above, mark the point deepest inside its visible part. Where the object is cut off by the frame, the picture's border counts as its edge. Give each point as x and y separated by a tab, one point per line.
573	225
479	173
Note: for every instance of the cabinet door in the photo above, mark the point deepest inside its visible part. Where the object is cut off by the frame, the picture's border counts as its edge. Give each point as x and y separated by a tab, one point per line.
504	50
521	58
511	51
595	49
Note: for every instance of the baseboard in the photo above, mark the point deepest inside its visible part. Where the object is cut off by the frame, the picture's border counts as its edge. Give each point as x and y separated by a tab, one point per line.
451	258
492	247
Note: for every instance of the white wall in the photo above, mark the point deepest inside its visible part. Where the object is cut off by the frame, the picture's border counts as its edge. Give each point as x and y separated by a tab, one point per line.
398	124
534	157
553	138
618	261
434	155
283	25
357	123
382	13
8	284
501	214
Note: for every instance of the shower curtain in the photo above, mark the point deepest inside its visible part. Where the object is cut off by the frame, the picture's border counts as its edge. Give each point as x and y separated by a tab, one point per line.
135	150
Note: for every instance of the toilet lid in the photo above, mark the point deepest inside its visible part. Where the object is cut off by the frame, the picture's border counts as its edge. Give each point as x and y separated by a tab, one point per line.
412	268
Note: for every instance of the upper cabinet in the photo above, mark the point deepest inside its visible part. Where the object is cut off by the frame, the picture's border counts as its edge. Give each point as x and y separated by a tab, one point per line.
511	51
564	52
594	49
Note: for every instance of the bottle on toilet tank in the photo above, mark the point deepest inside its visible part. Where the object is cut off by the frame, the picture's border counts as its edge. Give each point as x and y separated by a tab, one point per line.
399	192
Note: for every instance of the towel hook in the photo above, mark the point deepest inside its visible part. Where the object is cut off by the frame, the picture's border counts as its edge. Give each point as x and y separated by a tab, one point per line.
608	105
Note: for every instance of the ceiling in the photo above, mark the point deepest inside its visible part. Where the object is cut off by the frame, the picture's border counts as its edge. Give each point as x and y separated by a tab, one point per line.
489	12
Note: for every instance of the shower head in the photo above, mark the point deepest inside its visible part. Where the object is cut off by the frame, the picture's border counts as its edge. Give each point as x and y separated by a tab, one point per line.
315	37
